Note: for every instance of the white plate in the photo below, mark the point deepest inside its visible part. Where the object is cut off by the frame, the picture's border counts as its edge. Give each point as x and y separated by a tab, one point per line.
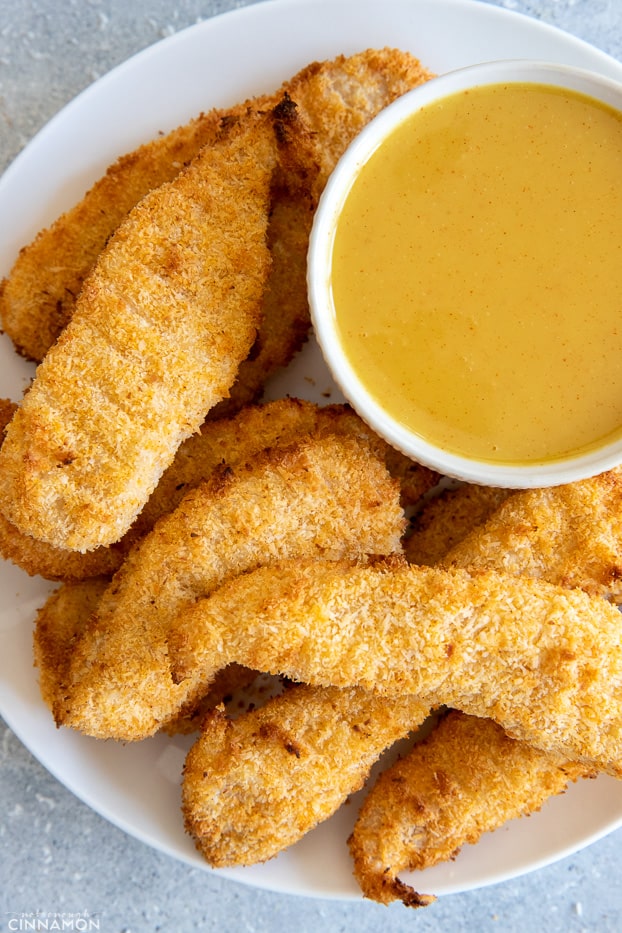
220	62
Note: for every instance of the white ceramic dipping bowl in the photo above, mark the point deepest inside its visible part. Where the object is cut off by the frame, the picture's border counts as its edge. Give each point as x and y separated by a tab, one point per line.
324	316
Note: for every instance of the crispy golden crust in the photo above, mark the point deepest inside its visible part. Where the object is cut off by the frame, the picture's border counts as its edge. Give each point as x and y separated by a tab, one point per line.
571	535
285	320
7	410
328	497
160	328
542	661
233	679
38	298
59	625
448	518
336	98
246	785
467	778
40	559
254	428
521	779
337	101
35	557
227	442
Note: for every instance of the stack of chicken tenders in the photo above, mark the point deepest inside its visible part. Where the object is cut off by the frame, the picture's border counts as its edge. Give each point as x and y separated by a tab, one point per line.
203	537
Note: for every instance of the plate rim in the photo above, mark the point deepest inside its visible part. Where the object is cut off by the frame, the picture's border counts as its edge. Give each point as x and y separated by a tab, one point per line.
135	61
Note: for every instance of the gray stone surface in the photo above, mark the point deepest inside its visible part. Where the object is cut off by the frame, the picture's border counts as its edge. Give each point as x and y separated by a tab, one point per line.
59	858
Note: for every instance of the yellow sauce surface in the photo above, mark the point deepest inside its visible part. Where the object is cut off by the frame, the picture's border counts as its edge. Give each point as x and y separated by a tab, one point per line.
477	273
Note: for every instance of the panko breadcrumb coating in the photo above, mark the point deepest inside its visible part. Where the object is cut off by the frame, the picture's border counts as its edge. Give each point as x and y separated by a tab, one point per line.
279	423
336	97
222	443
37	299
246	781
285	318
160	328
570	534
448	518
464	779
60	623
329	497
542	661
37	557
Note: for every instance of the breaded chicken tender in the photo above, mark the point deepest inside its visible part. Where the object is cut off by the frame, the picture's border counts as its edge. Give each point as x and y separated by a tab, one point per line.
329	497
279	423
285	318
59	624
542	661
246	781
37	299
36	557
336	98
160	328
222	443
384	841
466	778
448	518
570	534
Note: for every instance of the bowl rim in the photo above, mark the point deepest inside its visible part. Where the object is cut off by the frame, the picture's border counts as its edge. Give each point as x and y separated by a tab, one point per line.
501	71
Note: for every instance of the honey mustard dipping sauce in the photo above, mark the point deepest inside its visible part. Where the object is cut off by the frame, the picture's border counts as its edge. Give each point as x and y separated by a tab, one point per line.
476	273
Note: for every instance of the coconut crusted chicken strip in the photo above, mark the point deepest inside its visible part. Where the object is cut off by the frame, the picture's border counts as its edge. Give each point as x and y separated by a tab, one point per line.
570	534
279	423
159	330
285	319
442	521
245	785
37	557
327	496
338	99
465	778
448	518
436	815
227	442
37	299
60	624
542	661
